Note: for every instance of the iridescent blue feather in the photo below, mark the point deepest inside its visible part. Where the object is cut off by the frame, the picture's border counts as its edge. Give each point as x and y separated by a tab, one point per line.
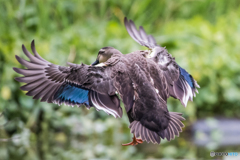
187	77
72	94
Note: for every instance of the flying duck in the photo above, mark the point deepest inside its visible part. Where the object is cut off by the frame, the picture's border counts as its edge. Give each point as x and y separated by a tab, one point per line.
144	80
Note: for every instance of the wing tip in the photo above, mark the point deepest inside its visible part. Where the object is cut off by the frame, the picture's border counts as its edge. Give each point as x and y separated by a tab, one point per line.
18	59
19	79
125	19
15	69
183	103
33	44
24	49
16	78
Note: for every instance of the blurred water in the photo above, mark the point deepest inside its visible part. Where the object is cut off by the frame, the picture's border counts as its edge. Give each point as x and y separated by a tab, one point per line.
214	132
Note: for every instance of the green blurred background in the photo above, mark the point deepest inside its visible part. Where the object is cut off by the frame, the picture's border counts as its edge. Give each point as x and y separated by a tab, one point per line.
203	35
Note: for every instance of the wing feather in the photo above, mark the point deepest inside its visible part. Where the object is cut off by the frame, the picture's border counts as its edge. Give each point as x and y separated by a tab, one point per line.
140	35
57	84
178	87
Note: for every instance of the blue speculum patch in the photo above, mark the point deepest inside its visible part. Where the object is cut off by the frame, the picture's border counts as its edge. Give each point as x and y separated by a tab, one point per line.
72	94
187	77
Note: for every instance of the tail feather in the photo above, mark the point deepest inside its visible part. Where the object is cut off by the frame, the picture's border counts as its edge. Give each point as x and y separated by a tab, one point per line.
176	125
138	129
178	121
173	129
146	135
171	132
176	113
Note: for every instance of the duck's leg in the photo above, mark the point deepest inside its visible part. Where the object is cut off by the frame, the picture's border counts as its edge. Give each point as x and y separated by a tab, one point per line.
135	141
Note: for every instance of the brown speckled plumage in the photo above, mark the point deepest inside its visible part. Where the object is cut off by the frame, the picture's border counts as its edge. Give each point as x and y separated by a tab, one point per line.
143	83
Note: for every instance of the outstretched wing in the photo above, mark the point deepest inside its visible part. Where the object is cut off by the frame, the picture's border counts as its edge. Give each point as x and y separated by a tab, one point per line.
181	84
55	84
185	88
140	35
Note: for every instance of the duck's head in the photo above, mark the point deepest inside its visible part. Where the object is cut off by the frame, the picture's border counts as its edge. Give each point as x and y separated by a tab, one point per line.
104	54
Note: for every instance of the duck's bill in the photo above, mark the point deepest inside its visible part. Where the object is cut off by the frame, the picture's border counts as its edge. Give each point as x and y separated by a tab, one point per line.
95	63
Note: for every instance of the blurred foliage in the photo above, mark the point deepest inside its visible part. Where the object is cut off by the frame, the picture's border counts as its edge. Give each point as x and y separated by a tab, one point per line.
203	35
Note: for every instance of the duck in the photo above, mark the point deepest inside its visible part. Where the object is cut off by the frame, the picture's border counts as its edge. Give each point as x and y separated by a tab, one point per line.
143	80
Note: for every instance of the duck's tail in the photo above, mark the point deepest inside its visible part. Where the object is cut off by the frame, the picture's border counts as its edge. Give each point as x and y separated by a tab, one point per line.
174	127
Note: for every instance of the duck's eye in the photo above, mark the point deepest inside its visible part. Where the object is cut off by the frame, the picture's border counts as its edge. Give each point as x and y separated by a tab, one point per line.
101	52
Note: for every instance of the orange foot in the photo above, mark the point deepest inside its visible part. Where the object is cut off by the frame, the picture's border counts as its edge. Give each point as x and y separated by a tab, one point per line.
135	141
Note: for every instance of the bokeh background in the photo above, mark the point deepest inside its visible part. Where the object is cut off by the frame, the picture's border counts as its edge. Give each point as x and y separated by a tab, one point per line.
203	35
